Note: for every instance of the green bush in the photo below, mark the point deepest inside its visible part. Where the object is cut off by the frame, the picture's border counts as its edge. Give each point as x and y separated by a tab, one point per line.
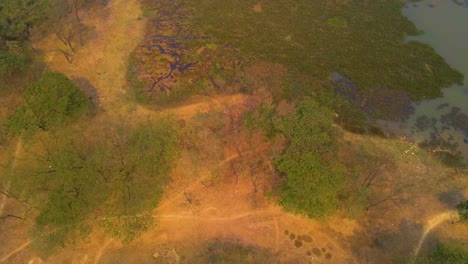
17	17
311	179
127	228
445	254
49	102
462	209
117	174
338	22
11	63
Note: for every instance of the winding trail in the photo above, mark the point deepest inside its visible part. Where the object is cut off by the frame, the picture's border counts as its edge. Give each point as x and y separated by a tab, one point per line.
432	223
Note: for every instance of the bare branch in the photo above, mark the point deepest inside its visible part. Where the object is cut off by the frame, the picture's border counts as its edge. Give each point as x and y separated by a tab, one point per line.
10	216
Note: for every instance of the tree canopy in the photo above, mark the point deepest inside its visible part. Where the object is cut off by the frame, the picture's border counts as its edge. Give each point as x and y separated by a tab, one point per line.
51	101
462	209
311	182
17	17
115	174
11	62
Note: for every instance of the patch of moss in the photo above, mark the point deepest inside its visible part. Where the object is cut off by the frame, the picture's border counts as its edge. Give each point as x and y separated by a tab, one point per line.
337	22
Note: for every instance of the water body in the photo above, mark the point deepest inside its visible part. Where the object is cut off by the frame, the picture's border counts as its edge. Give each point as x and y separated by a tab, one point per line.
445	27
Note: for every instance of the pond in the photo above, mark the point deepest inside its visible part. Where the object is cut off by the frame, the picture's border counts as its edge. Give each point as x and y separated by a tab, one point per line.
445	119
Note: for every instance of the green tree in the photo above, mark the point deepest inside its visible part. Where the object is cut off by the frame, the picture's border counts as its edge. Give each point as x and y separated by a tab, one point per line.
462	209
11	63
366	184
17	17
64	21
51	101
445	253
115	174
312	179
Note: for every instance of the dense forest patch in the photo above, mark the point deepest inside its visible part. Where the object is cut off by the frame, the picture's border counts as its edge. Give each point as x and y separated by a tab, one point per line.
49	102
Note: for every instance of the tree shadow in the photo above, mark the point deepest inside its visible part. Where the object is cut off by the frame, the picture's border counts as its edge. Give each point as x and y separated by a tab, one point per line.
451	198
390	244
89	90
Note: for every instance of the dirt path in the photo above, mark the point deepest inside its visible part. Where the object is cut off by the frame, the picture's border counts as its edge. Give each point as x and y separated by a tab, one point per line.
260	212
277	234
12	253
17	153
432	223
3	198
2	203
101	250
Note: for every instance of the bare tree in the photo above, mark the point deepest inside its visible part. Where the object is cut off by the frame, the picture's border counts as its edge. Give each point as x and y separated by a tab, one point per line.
76	4
8	195
67	25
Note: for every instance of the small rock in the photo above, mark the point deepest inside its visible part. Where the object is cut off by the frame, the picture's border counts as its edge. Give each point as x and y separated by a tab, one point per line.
172	257
307	238
328	256
298	243
317	252
292	236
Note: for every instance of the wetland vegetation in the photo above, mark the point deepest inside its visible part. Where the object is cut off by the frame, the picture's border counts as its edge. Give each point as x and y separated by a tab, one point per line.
363	40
